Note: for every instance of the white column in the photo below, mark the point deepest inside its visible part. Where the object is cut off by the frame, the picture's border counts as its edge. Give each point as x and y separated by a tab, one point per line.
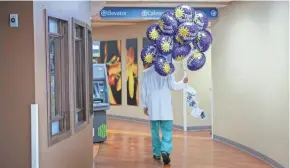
184	100
34	137
184	113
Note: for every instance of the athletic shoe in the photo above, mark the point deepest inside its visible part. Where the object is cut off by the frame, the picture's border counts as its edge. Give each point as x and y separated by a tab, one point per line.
166	158
156	157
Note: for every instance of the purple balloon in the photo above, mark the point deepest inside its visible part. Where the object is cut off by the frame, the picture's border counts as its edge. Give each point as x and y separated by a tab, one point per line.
148	54
187	31
178	40
153	33
201	20
168	24
172	68
180	51
203	41
193	13
164	45
169	12
183	13
196	61
168	58
209	35
162	66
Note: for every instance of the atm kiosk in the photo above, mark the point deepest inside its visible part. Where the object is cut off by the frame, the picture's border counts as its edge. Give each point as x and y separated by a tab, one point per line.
101	102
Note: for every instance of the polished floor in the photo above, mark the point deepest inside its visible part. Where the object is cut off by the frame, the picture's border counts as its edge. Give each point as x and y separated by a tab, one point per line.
129	146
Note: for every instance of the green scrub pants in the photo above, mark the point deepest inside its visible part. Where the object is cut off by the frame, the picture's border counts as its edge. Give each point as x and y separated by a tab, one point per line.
165	145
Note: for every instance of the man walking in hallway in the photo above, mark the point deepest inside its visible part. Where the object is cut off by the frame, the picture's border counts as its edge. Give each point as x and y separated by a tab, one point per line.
156	102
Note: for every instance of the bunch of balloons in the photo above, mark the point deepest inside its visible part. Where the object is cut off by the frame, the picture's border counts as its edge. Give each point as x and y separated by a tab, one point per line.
180	33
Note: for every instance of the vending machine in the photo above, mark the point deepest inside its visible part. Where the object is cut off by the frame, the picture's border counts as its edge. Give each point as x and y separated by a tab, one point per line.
101	102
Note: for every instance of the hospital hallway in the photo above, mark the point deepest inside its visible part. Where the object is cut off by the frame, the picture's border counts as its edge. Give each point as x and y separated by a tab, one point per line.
129	145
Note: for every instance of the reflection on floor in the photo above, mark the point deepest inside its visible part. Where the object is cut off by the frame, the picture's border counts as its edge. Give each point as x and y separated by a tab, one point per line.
129	146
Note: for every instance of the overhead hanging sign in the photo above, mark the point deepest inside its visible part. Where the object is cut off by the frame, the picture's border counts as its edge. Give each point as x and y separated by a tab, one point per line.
146	13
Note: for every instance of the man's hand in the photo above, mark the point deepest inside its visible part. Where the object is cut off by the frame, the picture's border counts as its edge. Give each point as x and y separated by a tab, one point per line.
185	80
146	111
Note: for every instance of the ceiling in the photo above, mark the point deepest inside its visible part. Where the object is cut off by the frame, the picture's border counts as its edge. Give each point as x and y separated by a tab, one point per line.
96	6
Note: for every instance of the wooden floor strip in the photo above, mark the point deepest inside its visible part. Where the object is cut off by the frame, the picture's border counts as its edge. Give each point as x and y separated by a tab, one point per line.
129	146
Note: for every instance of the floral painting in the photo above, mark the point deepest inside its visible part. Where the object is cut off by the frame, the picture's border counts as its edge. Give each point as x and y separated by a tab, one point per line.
110	54
145	43
132	72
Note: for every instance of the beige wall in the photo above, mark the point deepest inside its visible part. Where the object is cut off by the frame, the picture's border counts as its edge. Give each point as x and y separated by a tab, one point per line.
77	151
250	76
16	84
200	79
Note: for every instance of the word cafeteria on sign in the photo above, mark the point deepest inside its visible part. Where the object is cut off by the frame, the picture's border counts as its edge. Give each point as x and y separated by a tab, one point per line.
153	13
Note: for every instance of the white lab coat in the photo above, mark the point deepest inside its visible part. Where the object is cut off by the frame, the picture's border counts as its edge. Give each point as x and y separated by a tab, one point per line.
156	94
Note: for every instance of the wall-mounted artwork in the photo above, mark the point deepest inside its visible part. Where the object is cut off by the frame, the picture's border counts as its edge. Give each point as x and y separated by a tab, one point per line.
110	54
145	43
132	72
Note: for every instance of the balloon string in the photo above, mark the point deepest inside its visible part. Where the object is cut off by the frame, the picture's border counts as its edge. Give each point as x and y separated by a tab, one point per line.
183	66
184	71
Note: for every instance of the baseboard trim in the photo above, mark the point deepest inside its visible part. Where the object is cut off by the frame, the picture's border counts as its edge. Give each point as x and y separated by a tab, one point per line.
199	128
179	127
113	116
250	151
